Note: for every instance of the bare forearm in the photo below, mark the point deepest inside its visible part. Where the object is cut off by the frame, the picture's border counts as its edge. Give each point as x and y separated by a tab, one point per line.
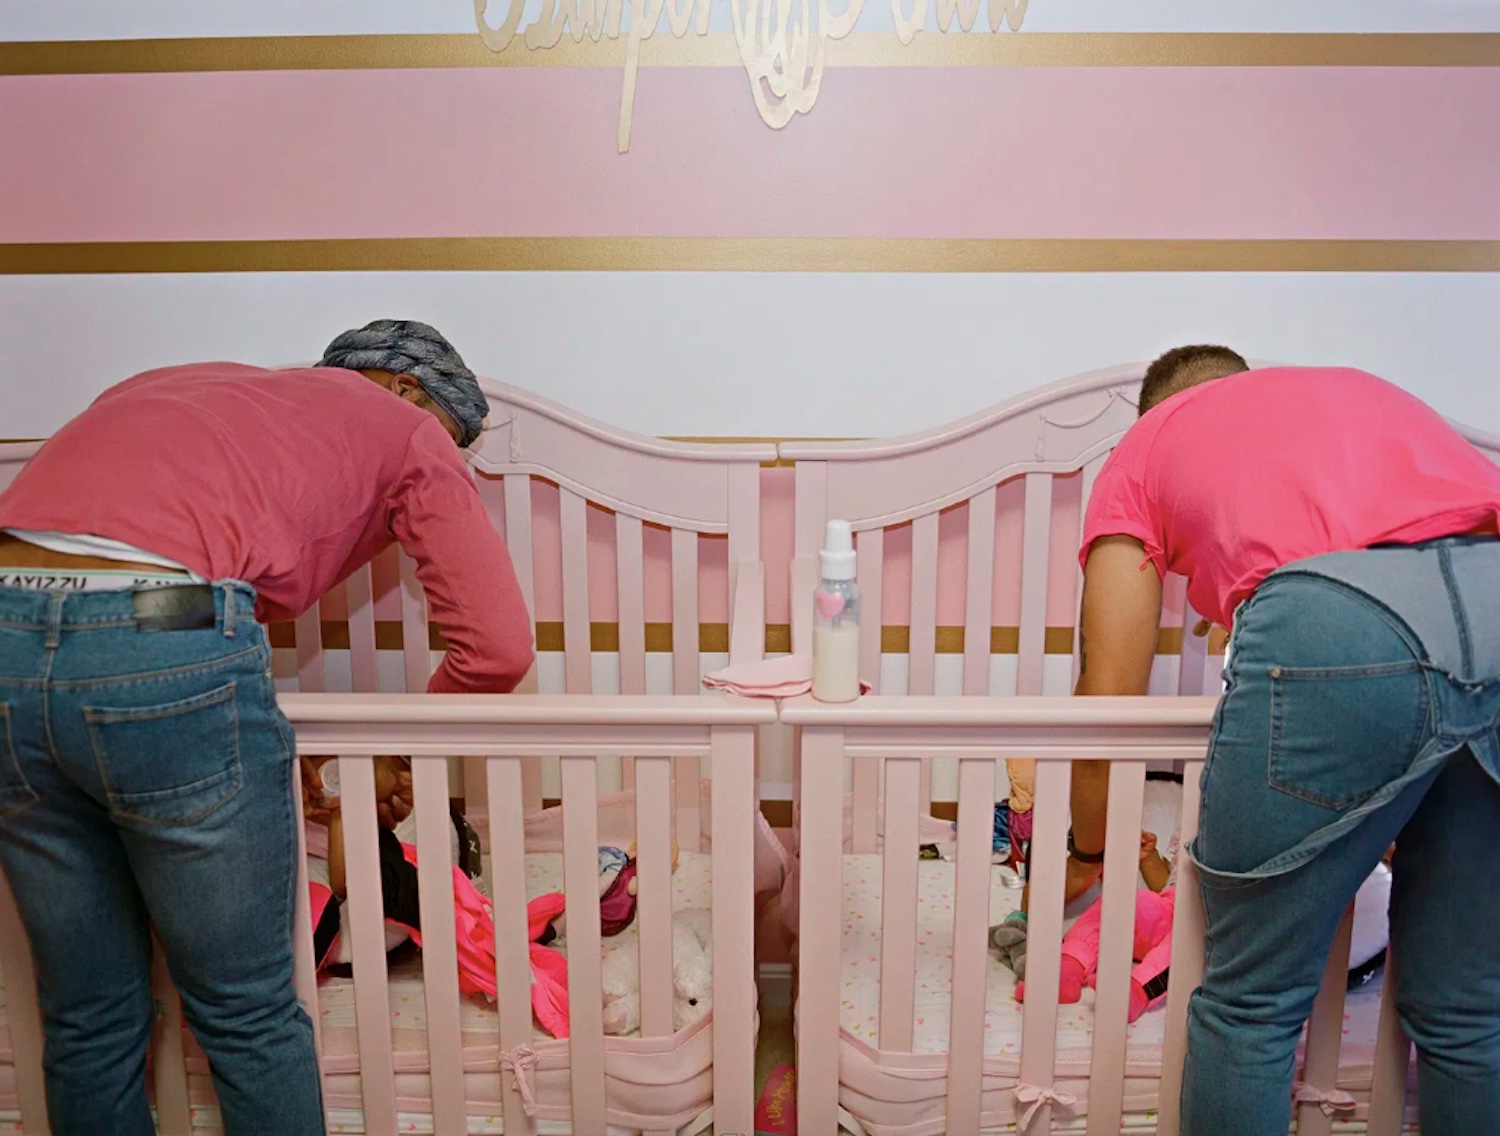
1155	871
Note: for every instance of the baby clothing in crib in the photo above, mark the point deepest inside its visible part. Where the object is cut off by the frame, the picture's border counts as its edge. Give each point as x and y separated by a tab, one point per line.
398	885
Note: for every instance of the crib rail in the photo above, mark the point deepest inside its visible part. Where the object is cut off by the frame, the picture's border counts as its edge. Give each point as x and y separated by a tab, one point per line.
978	733
504	732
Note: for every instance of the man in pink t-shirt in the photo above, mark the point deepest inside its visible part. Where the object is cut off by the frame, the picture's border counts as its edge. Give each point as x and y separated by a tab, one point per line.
146	772
1348	535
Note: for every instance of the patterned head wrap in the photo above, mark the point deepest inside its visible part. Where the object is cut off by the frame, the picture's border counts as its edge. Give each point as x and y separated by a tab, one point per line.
407	347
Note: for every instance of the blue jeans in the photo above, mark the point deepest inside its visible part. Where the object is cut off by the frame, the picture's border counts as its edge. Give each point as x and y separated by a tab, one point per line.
146	781
1361	709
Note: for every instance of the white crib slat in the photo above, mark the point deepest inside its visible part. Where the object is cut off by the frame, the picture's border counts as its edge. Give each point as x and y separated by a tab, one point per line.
630	587
898	902
1187	961
416	649
522	554
733	764
864	780
1392	1054
1127	792
1325	1029
577	654
1195	674
747	594
1049	854
1036	539
810	511
25	1017
364	664
971	909
869	561
980	598
1090	475
630	582
685	670
305	967
518	534
653	832
922	650
372	1007
174	1114
581	890
310	676
507	875
439	942
819	930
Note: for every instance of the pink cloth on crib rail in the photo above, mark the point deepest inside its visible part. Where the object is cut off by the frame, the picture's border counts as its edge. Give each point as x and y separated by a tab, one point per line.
1230	480
786	677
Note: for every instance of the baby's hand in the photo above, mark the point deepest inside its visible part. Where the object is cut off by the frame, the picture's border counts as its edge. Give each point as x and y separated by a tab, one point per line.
1148	846
393	792
315	807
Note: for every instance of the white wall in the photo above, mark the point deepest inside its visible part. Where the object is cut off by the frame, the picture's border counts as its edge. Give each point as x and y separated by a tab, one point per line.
726	354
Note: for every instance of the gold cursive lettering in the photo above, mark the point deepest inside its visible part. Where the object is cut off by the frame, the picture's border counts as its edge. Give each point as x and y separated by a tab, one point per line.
782	43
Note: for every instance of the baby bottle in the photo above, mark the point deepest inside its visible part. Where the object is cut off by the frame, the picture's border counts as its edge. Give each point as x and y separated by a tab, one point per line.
836	619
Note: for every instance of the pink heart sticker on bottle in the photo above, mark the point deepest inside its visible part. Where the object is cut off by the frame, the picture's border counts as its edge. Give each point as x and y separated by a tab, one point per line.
829	604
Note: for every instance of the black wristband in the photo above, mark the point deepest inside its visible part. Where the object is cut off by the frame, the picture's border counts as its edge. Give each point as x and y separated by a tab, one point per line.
1083	857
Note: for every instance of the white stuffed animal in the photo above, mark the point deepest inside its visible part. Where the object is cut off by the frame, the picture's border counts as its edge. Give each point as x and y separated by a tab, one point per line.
692	975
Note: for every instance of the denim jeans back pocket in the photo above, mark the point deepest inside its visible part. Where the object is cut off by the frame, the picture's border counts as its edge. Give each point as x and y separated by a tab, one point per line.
1338	734
15	792
172	763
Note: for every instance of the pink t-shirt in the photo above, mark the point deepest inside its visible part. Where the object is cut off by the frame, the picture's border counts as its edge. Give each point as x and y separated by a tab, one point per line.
1230	480
288	480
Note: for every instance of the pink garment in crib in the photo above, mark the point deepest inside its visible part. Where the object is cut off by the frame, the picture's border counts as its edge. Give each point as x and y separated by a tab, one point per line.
1151	950
474	920
1230	480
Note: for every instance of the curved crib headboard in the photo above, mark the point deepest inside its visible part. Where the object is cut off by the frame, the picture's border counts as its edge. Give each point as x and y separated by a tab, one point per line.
974	526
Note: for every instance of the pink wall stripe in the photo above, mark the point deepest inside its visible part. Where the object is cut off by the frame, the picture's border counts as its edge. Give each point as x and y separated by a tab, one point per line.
1336	153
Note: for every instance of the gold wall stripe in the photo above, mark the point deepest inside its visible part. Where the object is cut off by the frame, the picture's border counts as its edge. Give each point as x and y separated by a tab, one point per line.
861	49
746	254
713	638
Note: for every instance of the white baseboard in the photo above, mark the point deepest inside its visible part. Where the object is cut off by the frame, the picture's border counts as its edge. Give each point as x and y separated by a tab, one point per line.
775	982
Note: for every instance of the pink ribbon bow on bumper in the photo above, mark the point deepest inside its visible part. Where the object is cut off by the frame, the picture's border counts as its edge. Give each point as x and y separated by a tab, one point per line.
521	1063
1331	1102
1034	1096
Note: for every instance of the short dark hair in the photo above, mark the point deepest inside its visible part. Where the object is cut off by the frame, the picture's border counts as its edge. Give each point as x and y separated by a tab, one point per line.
1184	367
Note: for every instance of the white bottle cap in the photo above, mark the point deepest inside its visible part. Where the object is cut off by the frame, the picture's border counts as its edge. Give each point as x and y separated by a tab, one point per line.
329	775
836	561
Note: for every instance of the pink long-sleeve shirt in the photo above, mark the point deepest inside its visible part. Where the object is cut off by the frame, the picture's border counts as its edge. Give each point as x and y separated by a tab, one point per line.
1230	480
288	480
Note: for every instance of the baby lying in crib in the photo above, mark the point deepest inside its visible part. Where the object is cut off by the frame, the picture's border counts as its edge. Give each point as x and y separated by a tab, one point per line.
1151	950
396	828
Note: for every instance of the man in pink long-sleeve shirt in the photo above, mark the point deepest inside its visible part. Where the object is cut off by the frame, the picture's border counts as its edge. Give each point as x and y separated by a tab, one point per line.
1351	539
145	770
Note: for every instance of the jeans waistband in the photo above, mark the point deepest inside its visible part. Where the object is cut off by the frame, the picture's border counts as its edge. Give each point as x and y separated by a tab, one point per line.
1439	590
176	607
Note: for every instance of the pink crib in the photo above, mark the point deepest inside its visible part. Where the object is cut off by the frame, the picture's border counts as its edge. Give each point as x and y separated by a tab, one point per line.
624	546
967	538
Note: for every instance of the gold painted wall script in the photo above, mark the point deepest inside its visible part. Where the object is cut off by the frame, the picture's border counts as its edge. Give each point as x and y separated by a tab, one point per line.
781	45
